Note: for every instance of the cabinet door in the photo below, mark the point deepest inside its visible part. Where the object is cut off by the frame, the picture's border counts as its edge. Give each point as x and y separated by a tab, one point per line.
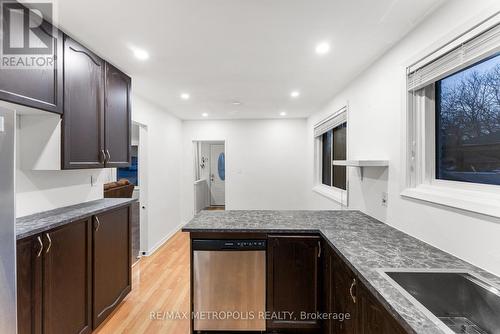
328	290
83	119
38	87
345	300
117	118
111	258
29	285
67	279
373	318
293	282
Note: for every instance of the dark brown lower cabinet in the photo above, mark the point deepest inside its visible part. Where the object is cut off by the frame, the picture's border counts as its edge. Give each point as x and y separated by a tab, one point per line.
374	319
54	282
29	285
293	282
111	258
328	290
346	297
66	273
66	279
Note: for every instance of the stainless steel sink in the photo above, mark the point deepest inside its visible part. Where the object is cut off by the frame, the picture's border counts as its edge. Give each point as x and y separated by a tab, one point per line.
462	302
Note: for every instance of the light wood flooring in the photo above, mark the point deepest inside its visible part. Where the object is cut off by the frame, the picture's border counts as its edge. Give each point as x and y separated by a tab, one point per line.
160	283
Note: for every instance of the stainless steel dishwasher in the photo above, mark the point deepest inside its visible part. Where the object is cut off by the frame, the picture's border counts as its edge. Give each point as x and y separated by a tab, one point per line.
229	285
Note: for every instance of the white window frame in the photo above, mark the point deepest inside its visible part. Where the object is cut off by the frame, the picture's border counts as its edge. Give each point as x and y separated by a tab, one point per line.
333	193
419	180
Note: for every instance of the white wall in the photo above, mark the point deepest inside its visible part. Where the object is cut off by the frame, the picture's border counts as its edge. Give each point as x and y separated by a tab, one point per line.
376	103
163	171
45	190
265	162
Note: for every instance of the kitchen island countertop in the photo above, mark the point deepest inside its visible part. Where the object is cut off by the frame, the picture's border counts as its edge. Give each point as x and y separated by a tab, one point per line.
364	243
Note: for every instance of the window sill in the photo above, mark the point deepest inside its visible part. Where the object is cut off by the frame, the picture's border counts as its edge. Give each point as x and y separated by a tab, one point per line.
481	202
334	194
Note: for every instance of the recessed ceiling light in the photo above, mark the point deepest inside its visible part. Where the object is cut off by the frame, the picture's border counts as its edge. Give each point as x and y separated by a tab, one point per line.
322	48
185	96
140	54
204	114
282	113
295	93
236	103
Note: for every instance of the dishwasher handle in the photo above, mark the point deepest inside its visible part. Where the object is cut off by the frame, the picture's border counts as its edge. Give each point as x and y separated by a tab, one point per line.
228	245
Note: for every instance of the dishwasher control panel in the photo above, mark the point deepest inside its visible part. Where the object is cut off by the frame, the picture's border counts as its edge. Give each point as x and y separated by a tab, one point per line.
222	245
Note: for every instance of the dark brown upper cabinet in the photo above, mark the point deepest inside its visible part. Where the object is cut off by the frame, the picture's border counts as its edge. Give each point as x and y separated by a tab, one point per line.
83	117
293	282
41	86
112	278
97	115
117	117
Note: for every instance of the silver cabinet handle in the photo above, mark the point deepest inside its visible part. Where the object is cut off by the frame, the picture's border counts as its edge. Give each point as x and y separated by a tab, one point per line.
50	242
41	246
109	155
103	156
353	284
98	224
319	249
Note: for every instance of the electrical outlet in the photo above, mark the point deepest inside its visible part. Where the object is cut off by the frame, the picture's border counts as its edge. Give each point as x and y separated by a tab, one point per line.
384	199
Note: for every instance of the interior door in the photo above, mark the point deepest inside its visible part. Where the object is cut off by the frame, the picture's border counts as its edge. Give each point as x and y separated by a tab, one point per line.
217	174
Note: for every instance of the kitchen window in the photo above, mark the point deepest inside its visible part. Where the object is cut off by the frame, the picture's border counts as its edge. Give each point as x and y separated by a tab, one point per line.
331	144
453	124
334	148
468	124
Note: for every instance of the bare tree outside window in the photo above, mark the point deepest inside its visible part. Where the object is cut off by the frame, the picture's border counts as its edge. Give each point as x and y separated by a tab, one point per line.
468	124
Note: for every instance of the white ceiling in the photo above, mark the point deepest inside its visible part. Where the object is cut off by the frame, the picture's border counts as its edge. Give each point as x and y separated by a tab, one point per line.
252	51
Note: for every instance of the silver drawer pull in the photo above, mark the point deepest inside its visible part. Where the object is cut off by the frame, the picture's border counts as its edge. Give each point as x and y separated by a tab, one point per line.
50	242
350	291
41	246
98	224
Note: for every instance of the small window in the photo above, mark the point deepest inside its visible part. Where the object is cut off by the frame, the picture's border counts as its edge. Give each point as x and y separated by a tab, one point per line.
468	124
333	144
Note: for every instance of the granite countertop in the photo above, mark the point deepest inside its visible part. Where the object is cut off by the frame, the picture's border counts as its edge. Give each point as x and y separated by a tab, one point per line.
43	221
366	244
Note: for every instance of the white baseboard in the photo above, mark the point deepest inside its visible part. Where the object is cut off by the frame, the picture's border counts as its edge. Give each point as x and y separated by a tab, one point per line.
163	240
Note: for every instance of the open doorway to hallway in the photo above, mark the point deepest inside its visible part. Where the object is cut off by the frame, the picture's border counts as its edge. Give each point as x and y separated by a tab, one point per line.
132	181
210	175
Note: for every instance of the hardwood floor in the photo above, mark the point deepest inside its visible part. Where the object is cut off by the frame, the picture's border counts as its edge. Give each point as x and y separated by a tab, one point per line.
160	283
216	208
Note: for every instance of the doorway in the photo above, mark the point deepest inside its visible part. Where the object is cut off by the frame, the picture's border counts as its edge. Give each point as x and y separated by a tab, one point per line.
217	175
210	175
137	175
